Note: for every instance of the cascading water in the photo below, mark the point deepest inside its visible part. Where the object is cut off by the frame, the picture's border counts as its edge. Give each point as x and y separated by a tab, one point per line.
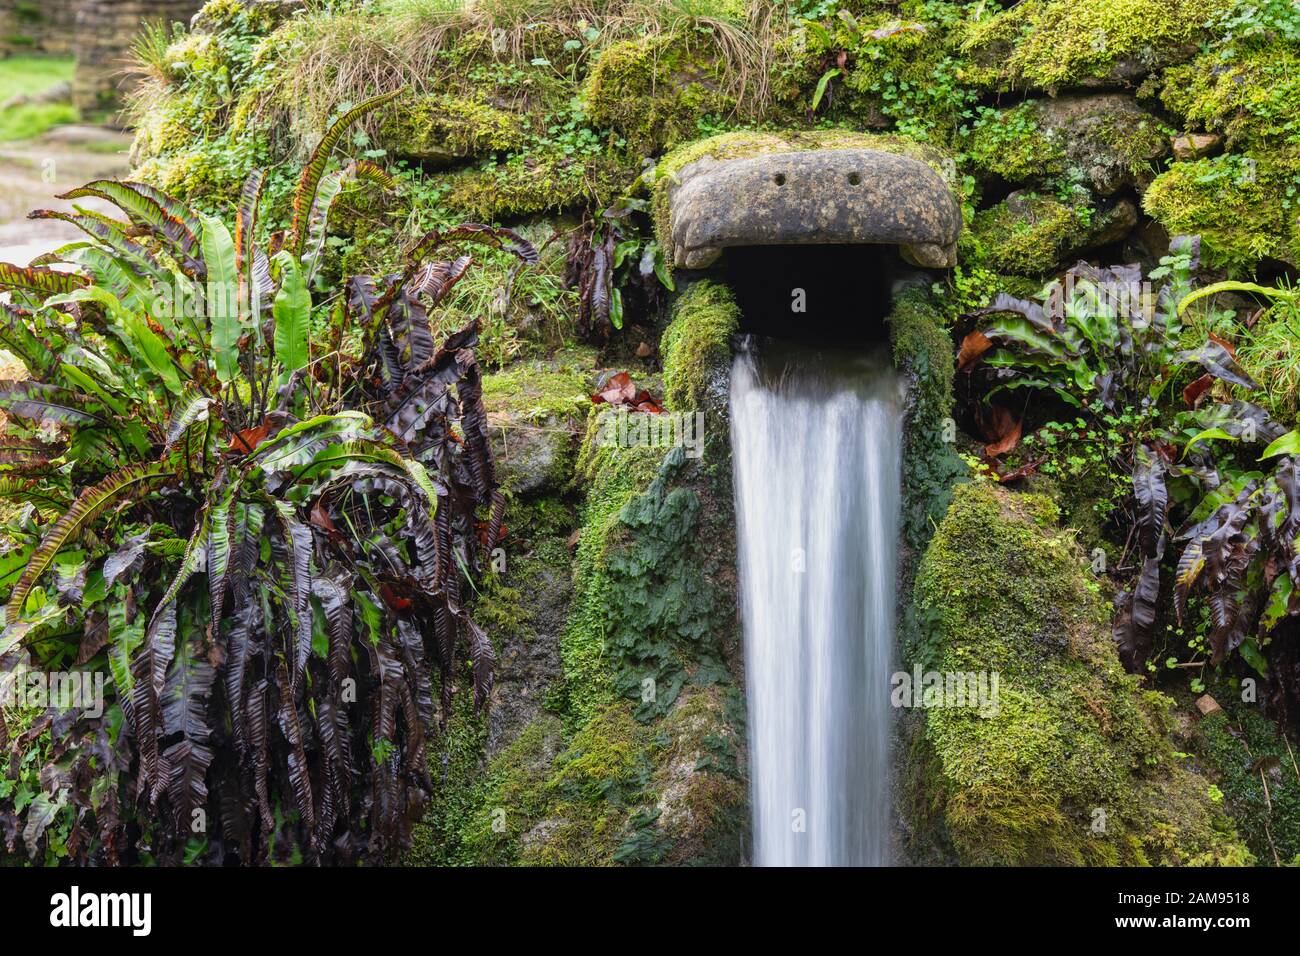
816	440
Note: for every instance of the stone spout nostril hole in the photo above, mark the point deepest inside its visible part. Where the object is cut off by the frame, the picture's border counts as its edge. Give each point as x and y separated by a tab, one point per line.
855	179
779	179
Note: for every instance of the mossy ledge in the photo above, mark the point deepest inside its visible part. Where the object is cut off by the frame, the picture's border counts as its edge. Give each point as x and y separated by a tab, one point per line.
1074	765
639	754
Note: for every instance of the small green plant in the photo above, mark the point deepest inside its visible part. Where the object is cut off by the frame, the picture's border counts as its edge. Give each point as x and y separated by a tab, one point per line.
607	255
1270	349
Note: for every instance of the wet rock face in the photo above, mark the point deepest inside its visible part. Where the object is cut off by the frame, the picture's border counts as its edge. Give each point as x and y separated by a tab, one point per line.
818	196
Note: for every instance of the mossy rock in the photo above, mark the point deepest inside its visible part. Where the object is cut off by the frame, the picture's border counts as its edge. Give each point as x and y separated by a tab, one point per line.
1074	764
1245	87
1106	141
1060	44
1241	205
617	792
654	91
446	128
537	412
923	352
696	346
1030	234
526	184
895	65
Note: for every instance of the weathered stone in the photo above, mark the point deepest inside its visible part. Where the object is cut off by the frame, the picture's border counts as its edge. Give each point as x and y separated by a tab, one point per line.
531	457
105	30
27	27
816	196
1207	705
1196	145
1031	234
1108	136
528	656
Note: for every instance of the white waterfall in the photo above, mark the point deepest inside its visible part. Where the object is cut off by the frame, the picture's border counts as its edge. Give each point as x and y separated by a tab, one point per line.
816	441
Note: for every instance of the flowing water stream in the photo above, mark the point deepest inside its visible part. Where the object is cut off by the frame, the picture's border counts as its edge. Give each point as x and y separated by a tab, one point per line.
816	440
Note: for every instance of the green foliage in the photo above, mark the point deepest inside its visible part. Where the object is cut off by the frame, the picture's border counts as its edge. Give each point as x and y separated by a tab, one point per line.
895	68
1097	338
330	542
1098	346
614	269
1247	753
1270	353
1011	144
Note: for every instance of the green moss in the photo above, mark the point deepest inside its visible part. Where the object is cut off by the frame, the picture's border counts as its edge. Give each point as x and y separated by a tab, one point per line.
696	344
1245	87
1237	747
1105	140
703	806
1010	143
455	758
503	800
654	91
1241	205
448	127
653	720
536	411
643	609
1072	741
618	792
1046	44
884	66
1030	234
923	350
525	185
614	476
537	391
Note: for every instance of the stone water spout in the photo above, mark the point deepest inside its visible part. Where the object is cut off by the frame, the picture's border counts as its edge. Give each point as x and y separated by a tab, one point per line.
822	196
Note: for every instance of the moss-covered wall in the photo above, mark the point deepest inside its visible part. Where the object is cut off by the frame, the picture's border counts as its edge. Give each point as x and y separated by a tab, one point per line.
1056	123
1073	104
1074	765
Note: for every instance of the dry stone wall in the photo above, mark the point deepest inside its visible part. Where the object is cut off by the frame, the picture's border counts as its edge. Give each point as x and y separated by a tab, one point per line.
104	31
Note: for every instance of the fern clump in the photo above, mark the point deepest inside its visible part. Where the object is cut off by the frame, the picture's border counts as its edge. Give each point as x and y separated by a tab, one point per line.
264	538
